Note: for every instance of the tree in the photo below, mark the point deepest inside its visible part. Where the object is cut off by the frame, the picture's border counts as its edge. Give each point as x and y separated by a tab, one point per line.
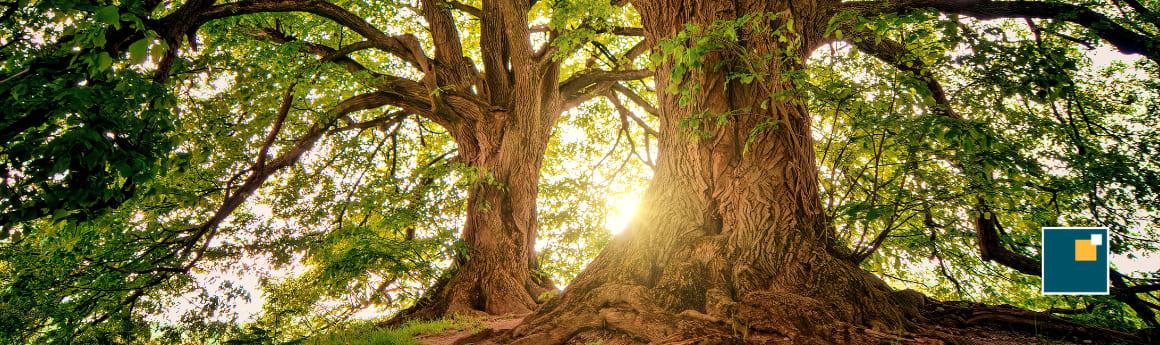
735	242
499	102
501	120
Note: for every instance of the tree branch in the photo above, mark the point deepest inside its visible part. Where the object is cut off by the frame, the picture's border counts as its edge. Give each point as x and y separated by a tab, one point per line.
405	47
493	46
1124	39
896	55
514	14
583	86
336	56
456	69
1147	14
412	96
991	247
628	114
382	122
637	99
283	111
615	30
465	8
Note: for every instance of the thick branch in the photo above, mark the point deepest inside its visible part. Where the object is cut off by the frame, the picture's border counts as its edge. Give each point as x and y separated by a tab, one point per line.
405	47
637	99
586	85
991	247
493	46
456	70
1124	39
412	96
515	24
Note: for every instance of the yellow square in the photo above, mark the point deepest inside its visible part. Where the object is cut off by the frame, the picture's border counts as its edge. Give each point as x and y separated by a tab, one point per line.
1084	250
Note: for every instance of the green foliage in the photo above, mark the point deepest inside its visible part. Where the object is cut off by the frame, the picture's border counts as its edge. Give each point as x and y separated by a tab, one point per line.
1048	139
79	133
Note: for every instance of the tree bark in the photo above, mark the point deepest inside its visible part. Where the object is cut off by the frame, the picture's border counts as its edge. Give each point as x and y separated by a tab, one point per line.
505	142
731	243
494	274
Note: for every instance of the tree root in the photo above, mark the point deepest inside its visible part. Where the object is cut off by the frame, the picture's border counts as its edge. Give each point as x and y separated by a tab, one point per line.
968	315
475	293
628	319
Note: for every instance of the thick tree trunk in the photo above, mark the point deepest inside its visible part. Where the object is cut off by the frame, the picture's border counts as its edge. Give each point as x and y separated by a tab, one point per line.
494	274
732	241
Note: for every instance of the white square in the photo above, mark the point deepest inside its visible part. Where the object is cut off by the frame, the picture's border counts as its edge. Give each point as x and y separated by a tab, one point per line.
1097	239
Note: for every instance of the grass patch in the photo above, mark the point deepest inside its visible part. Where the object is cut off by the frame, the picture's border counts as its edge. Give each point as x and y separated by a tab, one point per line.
367	333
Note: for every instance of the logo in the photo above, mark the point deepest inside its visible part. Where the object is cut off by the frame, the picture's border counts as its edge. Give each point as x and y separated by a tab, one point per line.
1075	261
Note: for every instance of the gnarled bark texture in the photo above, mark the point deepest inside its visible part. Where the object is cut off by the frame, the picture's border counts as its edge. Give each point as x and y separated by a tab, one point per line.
494	277
504	140
732	243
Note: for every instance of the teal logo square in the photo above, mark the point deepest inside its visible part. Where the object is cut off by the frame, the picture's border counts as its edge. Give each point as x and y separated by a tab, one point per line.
1075	261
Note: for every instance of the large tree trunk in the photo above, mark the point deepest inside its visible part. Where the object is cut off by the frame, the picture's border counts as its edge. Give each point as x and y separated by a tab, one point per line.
493	274
506	147
732	241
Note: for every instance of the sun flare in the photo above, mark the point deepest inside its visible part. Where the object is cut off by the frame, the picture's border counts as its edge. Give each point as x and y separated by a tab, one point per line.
621	210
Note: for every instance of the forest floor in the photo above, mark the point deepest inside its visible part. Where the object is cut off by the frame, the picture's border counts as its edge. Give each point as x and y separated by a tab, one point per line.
449	337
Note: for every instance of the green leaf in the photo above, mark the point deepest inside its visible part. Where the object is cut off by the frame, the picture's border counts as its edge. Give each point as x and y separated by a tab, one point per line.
137	51
109	15
104	61
158	52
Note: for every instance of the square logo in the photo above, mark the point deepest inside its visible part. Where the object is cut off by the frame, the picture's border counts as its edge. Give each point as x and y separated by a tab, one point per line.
1075	261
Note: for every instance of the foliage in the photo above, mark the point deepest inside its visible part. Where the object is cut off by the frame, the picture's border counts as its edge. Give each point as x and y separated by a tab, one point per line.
1049	138
83	125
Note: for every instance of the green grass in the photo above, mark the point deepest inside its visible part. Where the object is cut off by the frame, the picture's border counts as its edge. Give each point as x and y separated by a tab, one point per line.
369	334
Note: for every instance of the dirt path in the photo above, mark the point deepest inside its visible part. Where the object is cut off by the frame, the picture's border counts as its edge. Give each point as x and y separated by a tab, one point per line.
449	337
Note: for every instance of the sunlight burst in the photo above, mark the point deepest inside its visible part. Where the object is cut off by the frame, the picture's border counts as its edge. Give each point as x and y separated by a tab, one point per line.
621	210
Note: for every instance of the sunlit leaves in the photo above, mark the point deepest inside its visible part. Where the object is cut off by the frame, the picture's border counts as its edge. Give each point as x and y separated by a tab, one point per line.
1045	140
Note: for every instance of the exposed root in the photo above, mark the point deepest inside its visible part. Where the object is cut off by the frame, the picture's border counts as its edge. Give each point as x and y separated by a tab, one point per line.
962	316
783	318
476	292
